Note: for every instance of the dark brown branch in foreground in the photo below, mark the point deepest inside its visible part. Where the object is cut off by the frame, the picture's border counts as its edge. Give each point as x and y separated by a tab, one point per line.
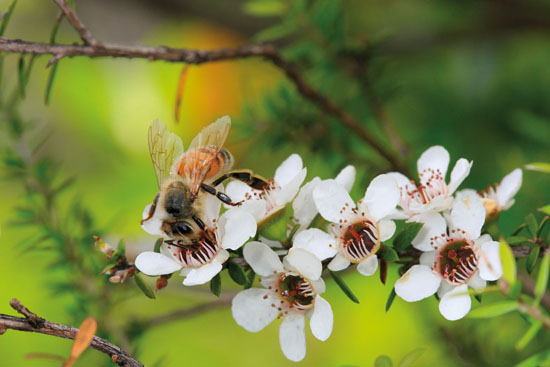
35	324
85	34
193	56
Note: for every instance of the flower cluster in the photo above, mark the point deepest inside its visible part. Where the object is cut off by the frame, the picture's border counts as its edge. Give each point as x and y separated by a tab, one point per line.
328	229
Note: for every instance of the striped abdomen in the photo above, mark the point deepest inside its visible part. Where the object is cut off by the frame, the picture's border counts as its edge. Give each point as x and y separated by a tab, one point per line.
205	163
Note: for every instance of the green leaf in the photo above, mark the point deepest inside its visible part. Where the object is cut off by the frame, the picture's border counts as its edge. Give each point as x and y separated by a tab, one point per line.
389	254
343	286
519	229
410	358
405	237
383	361
265	8
529	335
250	276
516	240
274	33
515	290
545	209
49	86
508	262
532	224
236	273
478	297
7	18
144	287
543	167
544	221
391	297
292	233
535	360
532	259
542	278
216	285
55	28
158	243
493	310
121	246
21	75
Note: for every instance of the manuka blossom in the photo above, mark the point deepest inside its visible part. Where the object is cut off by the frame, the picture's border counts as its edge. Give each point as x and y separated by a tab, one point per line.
432	194
304	206
292	293
281	190
501	196
357	230
460	257
200	260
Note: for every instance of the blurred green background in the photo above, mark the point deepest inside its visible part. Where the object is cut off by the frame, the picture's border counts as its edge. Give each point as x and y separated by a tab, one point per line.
472	76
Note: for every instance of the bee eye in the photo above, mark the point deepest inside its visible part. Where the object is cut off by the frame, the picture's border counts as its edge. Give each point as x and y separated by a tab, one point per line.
182	228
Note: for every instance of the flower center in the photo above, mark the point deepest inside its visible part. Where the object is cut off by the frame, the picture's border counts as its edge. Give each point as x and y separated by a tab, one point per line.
200	251
295	290
360	240
457	262
432	184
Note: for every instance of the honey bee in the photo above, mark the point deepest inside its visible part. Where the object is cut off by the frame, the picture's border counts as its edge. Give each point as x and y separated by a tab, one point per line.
184	178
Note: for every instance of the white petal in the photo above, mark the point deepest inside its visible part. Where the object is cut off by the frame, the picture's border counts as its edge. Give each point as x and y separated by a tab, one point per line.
368	266
427	258
455	304
292	337
290	189
346	177
262	259
468	214
258	208
404	183
387	229
434	225
460	171
305	263
153	263
288	169
238	190
321	319
153	225
212	206
444	288
436	158
203	274
330	198
271	243
252	311
476	282
304	206
318	285
490	267
338	263
417	283
236	226
382	196
319	243
509	187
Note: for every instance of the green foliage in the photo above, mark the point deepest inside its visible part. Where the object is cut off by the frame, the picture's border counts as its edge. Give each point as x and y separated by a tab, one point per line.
542	278
343	286
216	285
411	357
383	361
493	309
509	270
529	335
391	297
237	273
543	167
144	287
406	236
532	259
388	254
158	244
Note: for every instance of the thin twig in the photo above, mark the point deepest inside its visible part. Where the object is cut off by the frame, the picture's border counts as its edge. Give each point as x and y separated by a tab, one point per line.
85	34
526	307
193	56
29	324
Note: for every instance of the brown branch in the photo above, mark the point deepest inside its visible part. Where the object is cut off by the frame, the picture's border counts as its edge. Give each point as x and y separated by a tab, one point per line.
85	34
35	324
193	56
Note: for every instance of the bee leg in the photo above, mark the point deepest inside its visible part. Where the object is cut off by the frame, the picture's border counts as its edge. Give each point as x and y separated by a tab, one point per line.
246	176
152	209
199	222
220	195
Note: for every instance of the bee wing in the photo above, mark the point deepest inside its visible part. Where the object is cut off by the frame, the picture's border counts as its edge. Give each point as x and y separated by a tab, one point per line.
164	147
212	136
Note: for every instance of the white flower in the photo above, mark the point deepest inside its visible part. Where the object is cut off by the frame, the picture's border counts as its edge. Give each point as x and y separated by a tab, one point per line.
501	197
433	194
460	257
202	259
357	231
304	206
291	292
282	189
